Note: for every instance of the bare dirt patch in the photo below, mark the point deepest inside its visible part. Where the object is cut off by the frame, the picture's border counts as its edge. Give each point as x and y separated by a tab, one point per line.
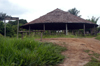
75	55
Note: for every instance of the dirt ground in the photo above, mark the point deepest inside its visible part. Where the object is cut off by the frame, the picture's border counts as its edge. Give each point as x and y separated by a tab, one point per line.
75	55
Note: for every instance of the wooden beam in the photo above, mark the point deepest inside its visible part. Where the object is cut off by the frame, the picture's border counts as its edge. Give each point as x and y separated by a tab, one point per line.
95	30
29	30
22	35
72	32
84	28
17	28
44	27
41	36
11	18
66	30
4	28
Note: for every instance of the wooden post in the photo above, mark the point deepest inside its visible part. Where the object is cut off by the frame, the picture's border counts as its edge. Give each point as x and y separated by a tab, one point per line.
58	32
66	30
91	31
29	30
35	32
17	28
22	35
41	36
5	28
44	28
72	32
95	30
78	33
49	32
84	29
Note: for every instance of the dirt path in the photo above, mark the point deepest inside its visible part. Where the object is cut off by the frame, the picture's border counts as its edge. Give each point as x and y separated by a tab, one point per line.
75	55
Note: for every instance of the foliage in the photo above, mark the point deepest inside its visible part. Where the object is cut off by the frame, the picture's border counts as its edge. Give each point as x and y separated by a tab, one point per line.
27	52
11	27
74	11
21	22
94	19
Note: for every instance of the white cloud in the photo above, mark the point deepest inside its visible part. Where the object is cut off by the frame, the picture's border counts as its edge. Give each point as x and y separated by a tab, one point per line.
32	9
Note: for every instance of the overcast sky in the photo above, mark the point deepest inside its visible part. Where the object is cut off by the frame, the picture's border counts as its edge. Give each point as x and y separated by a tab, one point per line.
32	9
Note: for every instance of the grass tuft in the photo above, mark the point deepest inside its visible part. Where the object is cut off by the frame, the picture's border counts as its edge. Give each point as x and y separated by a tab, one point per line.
93	62
27	52
87	51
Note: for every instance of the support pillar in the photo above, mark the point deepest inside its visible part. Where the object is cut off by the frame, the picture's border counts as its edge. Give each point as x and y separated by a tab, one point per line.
78	32
95	30
50	32
17	28
72	32
44	28
66	30
58	32
29	30
41	36
5	28
84	29
22	35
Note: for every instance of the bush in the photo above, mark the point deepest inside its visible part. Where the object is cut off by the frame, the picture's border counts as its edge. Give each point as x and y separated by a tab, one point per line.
27	52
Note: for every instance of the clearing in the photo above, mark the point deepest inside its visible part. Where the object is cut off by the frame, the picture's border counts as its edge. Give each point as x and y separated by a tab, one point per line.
75	55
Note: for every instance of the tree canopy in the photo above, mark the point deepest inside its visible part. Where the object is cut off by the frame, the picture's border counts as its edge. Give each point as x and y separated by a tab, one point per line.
74	11
94	19
3	15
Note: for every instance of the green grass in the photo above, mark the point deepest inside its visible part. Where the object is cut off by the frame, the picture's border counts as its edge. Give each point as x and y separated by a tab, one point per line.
98	34
87	51
96	55
61	36
98	37
93	62
27	52
56	36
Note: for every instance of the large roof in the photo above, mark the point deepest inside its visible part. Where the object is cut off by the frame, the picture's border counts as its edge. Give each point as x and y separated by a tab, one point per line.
58	16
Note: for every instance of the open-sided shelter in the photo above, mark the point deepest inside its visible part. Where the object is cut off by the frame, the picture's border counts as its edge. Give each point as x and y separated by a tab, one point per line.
59	20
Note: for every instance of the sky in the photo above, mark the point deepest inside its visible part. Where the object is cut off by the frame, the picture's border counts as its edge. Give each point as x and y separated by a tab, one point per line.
33	9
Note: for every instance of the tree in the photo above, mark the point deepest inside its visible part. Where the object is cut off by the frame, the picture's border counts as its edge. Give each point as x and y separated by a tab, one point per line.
1	28
21	22
3	15
74	11
94	19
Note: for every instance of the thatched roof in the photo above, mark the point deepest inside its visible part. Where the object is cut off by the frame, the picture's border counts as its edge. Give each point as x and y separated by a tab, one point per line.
58	16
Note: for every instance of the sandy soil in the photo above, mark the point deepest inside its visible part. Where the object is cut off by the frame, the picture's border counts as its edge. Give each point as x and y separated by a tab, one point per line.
75	55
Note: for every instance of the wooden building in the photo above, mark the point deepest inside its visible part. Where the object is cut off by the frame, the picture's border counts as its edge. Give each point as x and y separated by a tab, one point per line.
59	20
